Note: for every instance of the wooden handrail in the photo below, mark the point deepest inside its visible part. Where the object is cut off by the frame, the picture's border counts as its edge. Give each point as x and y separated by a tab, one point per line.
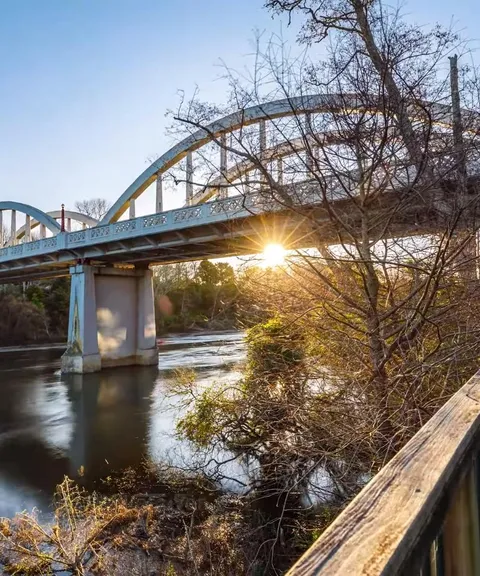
427	493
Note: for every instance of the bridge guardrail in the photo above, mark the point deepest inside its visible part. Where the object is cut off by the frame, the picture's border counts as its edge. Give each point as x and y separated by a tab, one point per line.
303	193
219	210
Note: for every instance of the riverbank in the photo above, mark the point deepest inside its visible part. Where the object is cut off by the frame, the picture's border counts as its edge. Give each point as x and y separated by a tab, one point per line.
34	347
186	528
150	520
161	338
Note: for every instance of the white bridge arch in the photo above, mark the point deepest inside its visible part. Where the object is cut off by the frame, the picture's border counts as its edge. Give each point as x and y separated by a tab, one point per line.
216	131
30	212
69	215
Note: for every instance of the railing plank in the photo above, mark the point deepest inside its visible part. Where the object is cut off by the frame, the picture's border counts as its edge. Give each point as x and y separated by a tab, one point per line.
377	532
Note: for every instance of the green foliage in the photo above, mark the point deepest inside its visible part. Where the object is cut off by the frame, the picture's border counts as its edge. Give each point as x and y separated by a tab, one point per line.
39	312
20	321
35	295
206	421
273	348
57	302
189	297
241	417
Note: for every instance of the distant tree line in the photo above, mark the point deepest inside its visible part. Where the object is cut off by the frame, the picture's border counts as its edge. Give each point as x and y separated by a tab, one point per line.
36	312
190	296
197	296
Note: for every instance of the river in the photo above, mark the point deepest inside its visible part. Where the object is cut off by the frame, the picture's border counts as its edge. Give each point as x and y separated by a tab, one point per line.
52	424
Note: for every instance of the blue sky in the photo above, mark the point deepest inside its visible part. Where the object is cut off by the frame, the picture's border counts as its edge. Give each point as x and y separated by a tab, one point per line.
85	84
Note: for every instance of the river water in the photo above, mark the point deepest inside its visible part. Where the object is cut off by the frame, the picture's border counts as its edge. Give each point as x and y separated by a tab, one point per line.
51	424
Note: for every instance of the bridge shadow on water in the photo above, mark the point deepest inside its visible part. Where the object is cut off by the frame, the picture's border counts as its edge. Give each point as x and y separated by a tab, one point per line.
111	410
82	426
52	425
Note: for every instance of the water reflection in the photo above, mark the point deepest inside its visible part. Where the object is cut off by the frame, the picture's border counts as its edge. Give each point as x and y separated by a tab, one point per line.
111	411
52	425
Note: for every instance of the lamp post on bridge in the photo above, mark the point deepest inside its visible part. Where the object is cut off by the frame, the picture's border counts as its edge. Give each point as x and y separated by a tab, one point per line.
62	225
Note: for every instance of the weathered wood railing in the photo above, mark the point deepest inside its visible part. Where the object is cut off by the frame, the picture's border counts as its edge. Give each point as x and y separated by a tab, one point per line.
419	516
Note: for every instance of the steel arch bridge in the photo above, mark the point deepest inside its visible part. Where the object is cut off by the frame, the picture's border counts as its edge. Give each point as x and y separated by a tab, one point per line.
112	313
201	228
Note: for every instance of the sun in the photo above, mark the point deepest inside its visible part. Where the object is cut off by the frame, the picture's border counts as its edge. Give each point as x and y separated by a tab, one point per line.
273	255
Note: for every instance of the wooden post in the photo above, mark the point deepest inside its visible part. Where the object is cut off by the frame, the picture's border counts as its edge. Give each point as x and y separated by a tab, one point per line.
467	257
457	127
461	538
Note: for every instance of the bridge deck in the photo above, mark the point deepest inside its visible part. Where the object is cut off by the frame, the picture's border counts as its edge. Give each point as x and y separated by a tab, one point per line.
233	226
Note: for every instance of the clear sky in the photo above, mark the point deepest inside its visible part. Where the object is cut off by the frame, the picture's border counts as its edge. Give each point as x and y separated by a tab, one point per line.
85	84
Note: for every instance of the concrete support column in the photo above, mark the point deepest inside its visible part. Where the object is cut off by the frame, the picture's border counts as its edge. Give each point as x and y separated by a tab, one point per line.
69	224
223	193
43	231
280	170
131	213
159	194
112	319
28	229
82	354
13	228
146	329
2	239
189	179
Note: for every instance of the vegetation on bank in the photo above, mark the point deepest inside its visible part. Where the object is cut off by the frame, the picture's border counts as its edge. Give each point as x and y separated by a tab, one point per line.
195	296
187	297
34	313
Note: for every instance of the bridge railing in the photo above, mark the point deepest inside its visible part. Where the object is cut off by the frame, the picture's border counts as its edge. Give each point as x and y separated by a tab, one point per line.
419	516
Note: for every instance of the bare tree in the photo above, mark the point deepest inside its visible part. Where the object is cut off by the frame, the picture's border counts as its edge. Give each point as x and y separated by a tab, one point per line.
379	300
95	207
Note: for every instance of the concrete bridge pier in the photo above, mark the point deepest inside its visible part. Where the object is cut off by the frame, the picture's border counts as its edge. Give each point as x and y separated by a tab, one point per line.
112	319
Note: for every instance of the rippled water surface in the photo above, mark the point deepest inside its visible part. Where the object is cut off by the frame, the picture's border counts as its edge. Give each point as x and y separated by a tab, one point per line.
52	424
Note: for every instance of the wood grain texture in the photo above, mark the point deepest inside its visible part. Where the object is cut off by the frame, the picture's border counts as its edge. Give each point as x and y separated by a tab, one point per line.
377	532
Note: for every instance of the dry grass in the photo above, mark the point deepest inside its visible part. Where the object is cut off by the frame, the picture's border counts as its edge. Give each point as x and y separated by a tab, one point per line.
89	535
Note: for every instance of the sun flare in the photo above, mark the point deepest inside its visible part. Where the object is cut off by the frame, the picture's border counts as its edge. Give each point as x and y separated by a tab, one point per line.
273	255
